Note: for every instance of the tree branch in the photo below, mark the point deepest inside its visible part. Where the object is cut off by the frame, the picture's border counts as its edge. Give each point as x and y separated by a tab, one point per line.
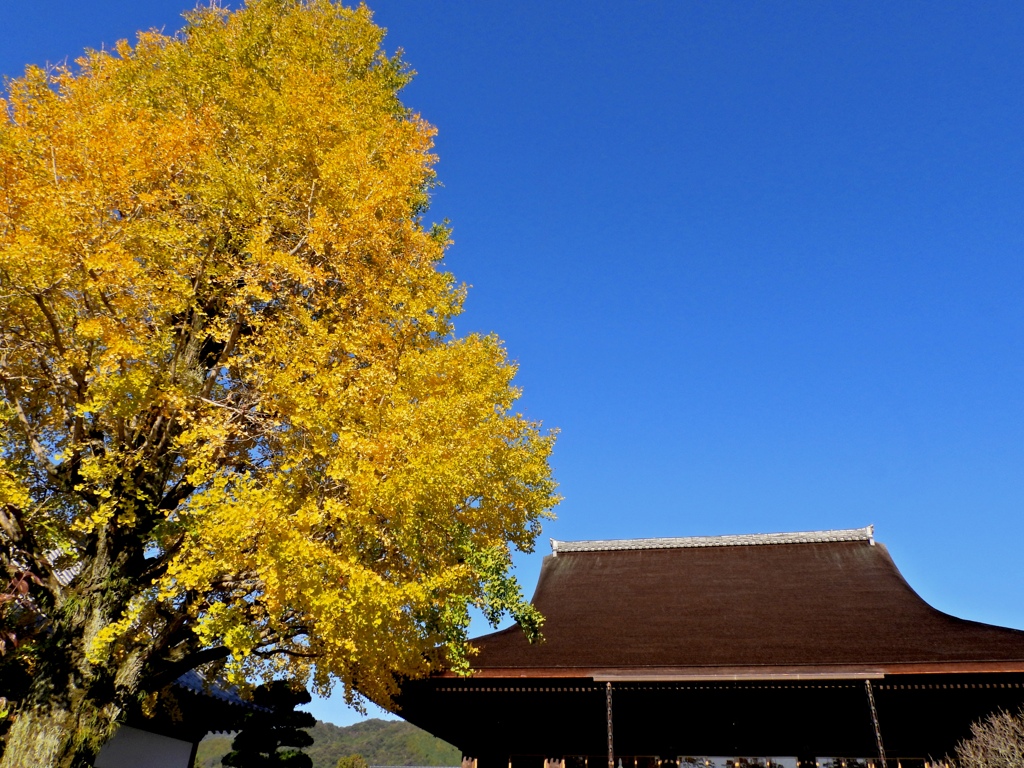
175	669
52	320
23	544
229	348
285	652
176	495
10	525
37	448
158	567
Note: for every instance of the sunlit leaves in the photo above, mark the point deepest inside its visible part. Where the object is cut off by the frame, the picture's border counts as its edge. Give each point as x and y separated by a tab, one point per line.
228	355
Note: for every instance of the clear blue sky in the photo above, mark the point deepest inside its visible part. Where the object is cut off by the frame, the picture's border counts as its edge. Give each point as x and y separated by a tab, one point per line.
759	263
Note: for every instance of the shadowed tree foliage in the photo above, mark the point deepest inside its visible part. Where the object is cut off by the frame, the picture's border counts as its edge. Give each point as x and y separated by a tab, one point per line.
376	742
274	739
237	429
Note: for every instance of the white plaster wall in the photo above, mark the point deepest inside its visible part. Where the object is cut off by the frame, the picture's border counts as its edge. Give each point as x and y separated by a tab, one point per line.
132	748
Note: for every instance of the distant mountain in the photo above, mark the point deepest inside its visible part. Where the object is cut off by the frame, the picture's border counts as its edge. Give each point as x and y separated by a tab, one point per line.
380	742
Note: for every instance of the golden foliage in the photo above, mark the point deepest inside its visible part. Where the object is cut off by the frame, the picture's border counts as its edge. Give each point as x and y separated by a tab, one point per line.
228	359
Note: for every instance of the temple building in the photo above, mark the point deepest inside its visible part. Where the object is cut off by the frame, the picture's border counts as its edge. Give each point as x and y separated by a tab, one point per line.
764	648
184	713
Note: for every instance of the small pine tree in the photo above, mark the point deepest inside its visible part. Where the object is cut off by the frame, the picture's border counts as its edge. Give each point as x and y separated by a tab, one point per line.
274	739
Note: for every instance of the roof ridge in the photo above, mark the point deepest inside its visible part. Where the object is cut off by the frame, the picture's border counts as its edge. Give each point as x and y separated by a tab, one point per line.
744	539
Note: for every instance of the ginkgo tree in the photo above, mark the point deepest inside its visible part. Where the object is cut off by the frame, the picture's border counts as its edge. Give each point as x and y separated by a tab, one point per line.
238	430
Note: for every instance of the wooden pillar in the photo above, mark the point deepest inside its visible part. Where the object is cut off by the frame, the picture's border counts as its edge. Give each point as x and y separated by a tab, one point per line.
468	762
608	707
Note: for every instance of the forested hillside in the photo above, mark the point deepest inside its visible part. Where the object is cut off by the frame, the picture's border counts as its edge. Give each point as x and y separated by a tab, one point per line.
379	742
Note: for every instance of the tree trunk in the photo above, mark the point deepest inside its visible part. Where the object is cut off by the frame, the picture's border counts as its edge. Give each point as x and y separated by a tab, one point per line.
71	711
73	706
56	736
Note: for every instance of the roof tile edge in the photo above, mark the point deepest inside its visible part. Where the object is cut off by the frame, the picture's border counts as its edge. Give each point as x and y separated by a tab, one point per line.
688	542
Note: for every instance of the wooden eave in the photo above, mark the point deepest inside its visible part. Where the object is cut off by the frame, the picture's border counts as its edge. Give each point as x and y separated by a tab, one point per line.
694	674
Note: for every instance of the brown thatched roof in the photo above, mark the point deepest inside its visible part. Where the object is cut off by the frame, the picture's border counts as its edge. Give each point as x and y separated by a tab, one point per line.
825	604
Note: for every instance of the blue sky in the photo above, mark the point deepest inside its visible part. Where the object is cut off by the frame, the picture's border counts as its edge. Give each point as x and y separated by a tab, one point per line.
759	263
